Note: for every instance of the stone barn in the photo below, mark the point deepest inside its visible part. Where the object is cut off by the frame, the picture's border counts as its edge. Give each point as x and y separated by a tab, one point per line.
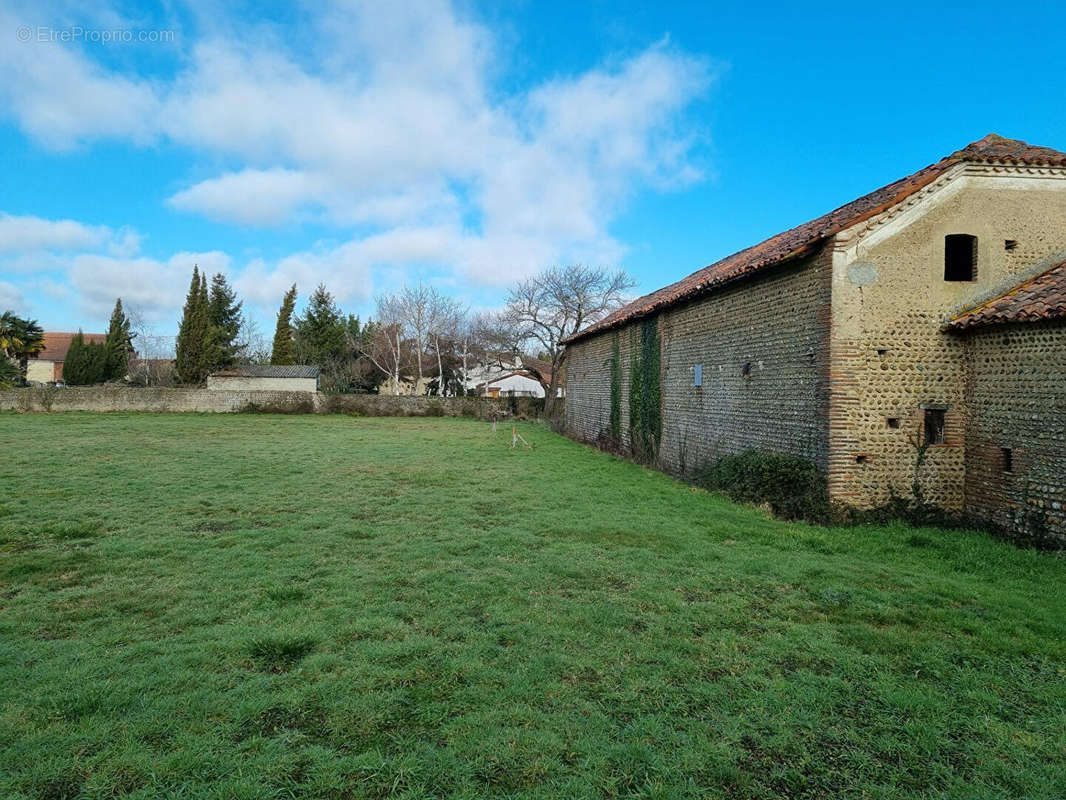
928	316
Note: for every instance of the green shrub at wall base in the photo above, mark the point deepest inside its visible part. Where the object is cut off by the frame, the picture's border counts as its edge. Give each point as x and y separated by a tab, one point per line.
794	488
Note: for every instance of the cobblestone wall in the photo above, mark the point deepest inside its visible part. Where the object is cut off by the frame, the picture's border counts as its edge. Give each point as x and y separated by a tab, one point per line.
113	398
1016	391
890	357
762	351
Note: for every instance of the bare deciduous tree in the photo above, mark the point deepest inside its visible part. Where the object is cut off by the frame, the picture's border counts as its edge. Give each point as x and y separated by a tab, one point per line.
446	322
253	346
550	307
385	347
416	307
152	364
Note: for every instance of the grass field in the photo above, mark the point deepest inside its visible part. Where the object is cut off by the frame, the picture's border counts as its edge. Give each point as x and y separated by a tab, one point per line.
324	606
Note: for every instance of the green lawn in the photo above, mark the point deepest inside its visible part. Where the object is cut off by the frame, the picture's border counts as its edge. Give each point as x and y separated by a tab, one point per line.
326	606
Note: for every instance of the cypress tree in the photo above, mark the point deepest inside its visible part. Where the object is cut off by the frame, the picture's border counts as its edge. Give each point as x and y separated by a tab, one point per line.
73	362
85	363
209	349
283	334
224	311
119	344
192	338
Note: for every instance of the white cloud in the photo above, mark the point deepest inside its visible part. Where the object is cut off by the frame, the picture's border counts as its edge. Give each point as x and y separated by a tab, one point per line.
154	288
27	234
388	124
11	298
268	197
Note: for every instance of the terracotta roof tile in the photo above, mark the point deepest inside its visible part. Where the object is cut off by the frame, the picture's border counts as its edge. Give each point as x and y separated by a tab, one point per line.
1039	298
56	345
806	238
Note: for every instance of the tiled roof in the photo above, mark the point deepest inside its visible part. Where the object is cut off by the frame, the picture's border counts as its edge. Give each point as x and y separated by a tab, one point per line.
806	238
268	371
1038	298
539	367
56	345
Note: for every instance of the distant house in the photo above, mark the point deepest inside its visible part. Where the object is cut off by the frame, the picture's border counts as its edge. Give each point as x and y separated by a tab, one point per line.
524	377
518	384
47	367
267	377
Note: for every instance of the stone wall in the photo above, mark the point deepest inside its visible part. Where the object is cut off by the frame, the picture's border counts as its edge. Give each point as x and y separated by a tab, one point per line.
889	354
114	398
1016	387
763	349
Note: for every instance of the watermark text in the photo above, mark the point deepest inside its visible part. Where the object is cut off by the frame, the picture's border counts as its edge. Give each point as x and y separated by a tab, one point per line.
78	34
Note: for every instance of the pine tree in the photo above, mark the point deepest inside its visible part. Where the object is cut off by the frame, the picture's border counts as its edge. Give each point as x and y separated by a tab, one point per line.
321	331
119	344
224	312
193	334
283	334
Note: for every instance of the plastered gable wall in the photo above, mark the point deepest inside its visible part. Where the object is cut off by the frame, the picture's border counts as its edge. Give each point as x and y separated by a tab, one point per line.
1017	399
888	354
778	324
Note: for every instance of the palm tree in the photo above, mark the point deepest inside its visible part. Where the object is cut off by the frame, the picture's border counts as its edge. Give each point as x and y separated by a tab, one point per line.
9	373
20	340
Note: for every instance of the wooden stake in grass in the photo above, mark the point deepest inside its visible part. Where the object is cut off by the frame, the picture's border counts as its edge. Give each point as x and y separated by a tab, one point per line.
516	437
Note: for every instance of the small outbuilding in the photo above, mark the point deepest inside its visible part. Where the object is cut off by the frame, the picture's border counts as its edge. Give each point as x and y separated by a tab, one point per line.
266	378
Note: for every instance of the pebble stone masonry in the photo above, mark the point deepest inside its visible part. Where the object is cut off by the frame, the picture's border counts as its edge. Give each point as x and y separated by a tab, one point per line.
843	342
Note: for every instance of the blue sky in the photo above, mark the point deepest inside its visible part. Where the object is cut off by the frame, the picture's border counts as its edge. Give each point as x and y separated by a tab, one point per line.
468	144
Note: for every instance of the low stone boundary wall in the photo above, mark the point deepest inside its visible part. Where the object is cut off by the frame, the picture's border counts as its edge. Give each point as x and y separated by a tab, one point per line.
118	398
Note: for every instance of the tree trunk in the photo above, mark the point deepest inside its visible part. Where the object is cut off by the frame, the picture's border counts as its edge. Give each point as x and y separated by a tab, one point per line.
440	368
463	382
553	389
418	355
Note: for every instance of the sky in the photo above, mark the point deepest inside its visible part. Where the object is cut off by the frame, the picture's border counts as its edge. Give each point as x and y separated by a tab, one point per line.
365	145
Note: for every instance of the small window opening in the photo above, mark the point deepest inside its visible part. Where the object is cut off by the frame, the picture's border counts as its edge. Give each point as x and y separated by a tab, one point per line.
960	257
934	426
882	352
1008	459
892	422
1010	244
746	369
861	459
697	375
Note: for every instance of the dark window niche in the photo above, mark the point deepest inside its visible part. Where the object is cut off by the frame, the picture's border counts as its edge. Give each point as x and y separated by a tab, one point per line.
1008	459
892	422
1010	244
934	425
960	257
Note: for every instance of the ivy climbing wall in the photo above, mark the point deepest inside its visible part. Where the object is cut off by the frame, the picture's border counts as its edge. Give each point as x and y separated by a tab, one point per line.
763	351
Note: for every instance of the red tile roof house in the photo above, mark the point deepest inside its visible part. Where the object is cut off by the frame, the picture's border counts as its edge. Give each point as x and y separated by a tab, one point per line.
929	314
48	366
